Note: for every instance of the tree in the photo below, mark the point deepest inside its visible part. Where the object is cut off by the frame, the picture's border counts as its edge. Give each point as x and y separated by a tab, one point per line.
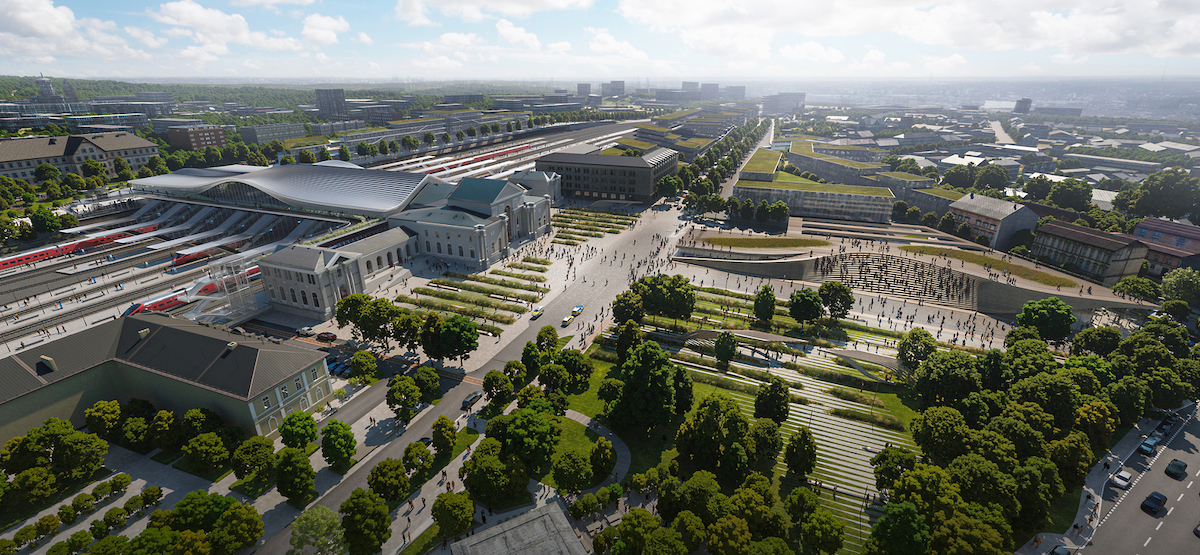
690	528
900	531
389	479
801	453
134	432
110	545
417	458
991	176
915	346
1182	284
488	477
1038	486
1138	287
320	529
1038	188
805	305
635	528
200	420
628	336
944	377
458	337
764	304
453	512
725	347
764	440
104	416
1050	316
295	474
403	397
628	306
729	535
366	522
1071	194
344	153
531	437
199	510
92	168
531	358
428	382
206	451
547	340
572	470
899	210
941	433
1101	340
254	456
603	457
192	543
362	364
773	400
1170	193
982	481
779	211
307	157
47	172
497	387
287	160
239	527
665	541
298	430
338	443
837	298
890	463
648	397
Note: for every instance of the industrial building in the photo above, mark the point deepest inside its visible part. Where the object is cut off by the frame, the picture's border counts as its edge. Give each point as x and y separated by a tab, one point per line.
588	174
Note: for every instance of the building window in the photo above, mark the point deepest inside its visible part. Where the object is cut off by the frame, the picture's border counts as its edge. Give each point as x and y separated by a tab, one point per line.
299	384
283	391
293	295
316	303
266	402
439	248
427	249
460	250
304	297
314	373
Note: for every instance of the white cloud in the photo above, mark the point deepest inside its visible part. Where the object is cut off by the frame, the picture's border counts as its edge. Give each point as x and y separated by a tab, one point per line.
604	43
213	30
812	52
437	62
945	64
517	36
413	12
364	38
1033	68
1068	59
145	37
458	40
873	57
37	31
323	29
269	3
559	47
253	64
321	57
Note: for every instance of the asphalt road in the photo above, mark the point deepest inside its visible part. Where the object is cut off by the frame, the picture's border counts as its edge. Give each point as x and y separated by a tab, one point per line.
1128	530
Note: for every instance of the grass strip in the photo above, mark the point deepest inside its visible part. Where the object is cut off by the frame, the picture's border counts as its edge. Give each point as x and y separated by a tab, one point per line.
445	306
765	242
831	376
530	267
485	290
527	277
484	302
855	397
882	420
564	242
497	282
536	260
589	231
994	264
594	220
422	313
633	215
568	237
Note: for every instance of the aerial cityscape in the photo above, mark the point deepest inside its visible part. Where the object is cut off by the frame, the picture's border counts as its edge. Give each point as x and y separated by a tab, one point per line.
599	277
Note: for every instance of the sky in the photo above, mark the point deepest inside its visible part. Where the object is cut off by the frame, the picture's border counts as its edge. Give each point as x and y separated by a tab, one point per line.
657	40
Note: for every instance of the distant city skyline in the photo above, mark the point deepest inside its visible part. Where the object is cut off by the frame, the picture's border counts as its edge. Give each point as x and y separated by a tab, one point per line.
593	40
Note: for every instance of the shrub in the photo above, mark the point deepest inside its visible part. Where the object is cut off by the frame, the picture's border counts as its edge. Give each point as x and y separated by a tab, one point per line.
47	525
120	482
102	491
115	517
67	514
133	504
98	529
84	503
882	420
151	495
25	535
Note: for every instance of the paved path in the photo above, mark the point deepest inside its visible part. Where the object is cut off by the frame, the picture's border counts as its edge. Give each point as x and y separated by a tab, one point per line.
1002	136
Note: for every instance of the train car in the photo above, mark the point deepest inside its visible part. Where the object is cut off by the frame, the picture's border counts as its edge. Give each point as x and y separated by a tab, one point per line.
74	247
480	158
210	287
159	304
181	259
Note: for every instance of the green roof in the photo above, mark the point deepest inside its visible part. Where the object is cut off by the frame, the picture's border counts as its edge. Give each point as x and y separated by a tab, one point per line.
652	127
695	142
785	176
804	148
905	176
640	145
818	187
848	147
613	151
944	193
414	120
763	161
677	115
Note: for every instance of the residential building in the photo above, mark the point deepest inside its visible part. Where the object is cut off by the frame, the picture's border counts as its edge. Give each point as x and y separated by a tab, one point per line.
782	103
263	134
1157	231
161	125
19	157
995	219
583	89
1162	259
176	364
331	102
1108	256
136	121
196	137
597	176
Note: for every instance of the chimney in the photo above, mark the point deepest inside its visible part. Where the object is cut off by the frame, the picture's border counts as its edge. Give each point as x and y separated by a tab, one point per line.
142	333
49	362
231	346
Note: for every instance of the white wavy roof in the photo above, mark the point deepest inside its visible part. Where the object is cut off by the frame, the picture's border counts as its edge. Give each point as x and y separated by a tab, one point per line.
337	187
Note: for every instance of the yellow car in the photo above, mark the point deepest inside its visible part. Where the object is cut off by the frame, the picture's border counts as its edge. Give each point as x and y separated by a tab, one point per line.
567	320
578	309
537	312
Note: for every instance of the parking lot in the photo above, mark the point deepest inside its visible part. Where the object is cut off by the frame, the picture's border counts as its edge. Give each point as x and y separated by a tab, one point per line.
1126	527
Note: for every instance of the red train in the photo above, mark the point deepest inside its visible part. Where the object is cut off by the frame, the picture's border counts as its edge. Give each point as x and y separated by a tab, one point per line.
181	296
64	249
489	156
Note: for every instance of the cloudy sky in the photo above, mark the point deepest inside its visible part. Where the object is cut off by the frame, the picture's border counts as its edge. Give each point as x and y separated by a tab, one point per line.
600	39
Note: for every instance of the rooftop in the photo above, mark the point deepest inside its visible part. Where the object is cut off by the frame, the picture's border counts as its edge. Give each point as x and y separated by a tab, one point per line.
905	176
541	531
676	115
1172	227
53	147
986	206
805	148
640	145
804	185
944	193
1086	235
763	161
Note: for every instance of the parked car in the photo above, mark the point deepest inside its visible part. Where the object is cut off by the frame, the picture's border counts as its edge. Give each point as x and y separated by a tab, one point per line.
306	332
471	400
1149	446
537	312
426	440
1177	469
1154	503
1122	479
1059	550
327	336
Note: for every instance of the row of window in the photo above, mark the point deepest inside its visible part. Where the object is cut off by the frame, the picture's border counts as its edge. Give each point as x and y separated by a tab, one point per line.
283	389
316	303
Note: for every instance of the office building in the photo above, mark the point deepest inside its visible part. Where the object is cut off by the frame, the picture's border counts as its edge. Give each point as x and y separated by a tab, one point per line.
782	104
196	137
19	157
135	121
1023	106
1108	256
174	363
331	102
612	88
463	98
995	219
709	91
598	176
263	134
161	125
583	89
1162	259
691	86
735	92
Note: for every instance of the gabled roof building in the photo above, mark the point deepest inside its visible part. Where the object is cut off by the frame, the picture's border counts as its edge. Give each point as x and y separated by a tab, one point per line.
995	219
1108	256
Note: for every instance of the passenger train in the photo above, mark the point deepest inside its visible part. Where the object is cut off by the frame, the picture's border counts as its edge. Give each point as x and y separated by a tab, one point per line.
64	249
181	296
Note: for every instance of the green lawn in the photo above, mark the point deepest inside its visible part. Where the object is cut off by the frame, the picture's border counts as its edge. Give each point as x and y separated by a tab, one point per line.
763	161
640	145
587	402
213	475
572	436
168	456
995	264
817	187
791	177
428	540
944	193
253	485
765	242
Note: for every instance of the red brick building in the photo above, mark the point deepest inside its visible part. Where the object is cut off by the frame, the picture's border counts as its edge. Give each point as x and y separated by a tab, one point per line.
196	138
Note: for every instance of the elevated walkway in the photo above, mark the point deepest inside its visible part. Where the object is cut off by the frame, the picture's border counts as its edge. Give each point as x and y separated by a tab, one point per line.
191	223
254	229
100	225
233	219
166	217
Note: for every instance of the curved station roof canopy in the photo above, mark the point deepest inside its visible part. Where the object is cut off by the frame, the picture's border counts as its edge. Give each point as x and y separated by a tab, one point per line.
331	186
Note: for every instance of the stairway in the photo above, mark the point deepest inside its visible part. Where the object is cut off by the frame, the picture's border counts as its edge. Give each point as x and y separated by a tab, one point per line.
899	276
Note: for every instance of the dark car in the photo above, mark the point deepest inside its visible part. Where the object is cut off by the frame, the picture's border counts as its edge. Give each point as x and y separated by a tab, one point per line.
426	440
1149	446
1197	531
1154	503
1177	469
326	336
1059	550
471	400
